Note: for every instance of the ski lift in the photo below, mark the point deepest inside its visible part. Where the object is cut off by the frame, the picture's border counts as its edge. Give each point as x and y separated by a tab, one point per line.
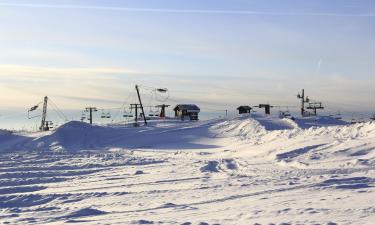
126	113
338	116
103	115
284	114
83	117
287	113
130	114
152	112
108	115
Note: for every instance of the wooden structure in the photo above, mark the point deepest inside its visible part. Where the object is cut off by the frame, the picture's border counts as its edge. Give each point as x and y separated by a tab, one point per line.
244	109
186	111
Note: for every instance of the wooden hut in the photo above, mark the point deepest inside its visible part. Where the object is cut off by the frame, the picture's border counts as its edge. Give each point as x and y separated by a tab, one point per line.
244	109
186	111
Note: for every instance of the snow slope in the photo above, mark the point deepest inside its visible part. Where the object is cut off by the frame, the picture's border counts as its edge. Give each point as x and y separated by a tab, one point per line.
258	170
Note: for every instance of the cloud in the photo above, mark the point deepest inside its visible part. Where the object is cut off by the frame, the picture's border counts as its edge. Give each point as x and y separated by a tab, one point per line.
184	11
21	72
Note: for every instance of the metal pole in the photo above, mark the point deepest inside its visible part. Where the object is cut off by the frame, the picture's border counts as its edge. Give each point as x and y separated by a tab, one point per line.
140	102
90	115
44	115
303	103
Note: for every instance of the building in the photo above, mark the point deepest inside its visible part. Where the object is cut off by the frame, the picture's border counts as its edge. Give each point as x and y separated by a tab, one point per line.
187	111
244	109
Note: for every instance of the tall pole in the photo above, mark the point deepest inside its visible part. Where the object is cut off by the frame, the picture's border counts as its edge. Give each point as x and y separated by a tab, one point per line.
303	103
90	115
44	115
140	102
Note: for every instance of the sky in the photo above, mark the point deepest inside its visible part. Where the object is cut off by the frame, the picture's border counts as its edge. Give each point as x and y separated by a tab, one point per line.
216	53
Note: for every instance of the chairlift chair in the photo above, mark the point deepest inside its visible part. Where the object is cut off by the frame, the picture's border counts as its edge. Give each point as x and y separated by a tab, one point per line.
83	116
103	116
126	113
152	113
108	115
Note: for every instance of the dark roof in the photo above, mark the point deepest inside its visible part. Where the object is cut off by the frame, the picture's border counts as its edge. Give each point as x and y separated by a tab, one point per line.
188	107
246	107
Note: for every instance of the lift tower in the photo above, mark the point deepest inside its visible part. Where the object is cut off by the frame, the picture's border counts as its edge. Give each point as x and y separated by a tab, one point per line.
303	101
91	110
140	103
44	126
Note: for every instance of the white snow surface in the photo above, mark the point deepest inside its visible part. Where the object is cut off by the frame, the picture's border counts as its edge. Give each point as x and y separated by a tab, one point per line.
246	170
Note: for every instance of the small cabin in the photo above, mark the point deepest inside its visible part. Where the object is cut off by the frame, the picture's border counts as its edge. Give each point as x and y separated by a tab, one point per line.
244	109
187	111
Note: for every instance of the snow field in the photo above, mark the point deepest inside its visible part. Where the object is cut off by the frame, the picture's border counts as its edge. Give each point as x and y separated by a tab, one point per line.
259	170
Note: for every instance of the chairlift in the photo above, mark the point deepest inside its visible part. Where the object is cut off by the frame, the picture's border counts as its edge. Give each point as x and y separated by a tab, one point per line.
338	116
83	116
108	115
103	115
126	113
152	112
287	113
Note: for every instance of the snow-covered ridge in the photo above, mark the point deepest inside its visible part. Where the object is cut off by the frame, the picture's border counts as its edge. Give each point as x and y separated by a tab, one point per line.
75	136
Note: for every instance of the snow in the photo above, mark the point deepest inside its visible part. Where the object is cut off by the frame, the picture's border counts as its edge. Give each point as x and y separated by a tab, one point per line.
245	170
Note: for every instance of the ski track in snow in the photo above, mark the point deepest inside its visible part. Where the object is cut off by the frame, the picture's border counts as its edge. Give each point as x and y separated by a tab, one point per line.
239	171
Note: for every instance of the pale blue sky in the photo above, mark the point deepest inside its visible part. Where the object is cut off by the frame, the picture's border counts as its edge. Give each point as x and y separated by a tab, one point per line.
219	53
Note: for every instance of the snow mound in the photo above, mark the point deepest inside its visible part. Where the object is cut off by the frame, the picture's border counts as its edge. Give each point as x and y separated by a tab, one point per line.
243	128
10	141
74	136
5	135
215	166
86	212
318	121
253	128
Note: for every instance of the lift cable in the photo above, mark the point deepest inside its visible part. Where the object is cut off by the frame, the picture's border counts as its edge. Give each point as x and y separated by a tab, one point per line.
57	110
